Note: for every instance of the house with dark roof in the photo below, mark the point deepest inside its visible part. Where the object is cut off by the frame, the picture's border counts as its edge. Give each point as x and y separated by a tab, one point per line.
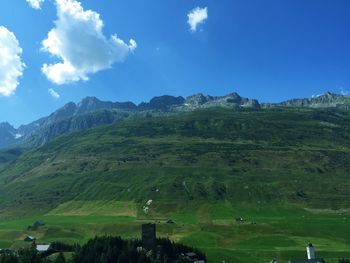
29	239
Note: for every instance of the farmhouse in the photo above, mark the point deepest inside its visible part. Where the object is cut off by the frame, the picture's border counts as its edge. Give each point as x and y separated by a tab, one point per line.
29	239
191	257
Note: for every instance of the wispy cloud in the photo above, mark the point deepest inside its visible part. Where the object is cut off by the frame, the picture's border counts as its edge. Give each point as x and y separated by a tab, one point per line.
344	91
54	93
197	16
36	4
11	65
78	41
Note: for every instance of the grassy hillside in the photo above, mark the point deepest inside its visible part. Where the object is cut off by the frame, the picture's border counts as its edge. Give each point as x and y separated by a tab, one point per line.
202	169
293	156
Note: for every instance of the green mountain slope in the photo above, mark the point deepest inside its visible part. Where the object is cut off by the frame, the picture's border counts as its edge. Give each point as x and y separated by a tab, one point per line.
298	156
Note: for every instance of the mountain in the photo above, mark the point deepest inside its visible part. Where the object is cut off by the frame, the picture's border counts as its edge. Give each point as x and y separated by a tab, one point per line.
210	155
326	100
92	112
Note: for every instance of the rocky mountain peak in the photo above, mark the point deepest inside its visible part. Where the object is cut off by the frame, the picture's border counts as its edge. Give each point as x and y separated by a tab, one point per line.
162	103
67	110
7	134
197	99
6	126
231	100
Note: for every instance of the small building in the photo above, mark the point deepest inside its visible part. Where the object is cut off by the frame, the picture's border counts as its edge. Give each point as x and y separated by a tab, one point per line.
239	220
191	257
149	239
29	239
315	260
310	252
42	248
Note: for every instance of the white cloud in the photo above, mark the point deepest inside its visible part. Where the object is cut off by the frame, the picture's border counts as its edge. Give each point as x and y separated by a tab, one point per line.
54	93
36	4
78	41
11	65
197	16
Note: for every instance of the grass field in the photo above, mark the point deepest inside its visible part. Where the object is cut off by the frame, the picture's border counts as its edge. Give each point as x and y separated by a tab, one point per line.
280	232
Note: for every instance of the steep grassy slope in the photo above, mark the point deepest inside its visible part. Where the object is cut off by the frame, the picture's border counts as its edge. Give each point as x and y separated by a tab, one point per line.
268	156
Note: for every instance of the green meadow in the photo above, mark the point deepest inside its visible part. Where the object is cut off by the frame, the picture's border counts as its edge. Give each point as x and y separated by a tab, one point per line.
280	232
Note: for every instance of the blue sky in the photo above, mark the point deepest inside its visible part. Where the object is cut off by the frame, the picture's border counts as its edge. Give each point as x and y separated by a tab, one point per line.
270	50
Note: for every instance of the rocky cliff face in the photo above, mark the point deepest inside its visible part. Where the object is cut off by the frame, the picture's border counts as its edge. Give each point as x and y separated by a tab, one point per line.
232	100
162	103
91	104
51	130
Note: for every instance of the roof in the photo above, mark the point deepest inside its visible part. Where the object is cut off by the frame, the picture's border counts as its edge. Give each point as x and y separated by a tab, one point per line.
191	254
42	248
316	260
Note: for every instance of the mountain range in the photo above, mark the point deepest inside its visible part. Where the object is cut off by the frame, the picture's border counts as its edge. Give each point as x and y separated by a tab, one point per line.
92	112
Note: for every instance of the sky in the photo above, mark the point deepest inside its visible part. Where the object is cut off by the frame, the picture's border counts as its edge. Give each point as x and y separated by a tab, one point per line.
56	51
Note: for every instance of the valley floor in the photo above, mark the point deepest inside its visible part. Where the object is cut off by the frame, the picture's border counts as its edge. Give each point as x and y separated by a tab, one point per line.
266	232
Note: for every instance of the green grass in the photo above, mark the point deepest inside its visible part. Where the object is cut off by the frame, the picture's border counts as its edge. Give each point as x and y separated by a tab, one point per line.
106	208
281	232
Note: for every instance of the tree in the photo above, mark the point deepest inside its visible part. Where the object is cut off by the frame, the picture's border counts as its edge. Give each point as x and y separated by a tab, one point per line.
60	258
123	258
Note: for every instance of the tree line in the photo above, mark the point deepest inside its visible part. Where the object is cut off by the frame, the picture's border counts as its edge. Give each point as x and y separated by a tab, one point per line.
105	250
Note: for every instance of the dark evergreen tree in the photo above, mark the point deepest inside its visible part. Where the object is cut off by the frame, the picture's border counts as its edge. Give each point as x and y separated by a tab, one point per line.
60	258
